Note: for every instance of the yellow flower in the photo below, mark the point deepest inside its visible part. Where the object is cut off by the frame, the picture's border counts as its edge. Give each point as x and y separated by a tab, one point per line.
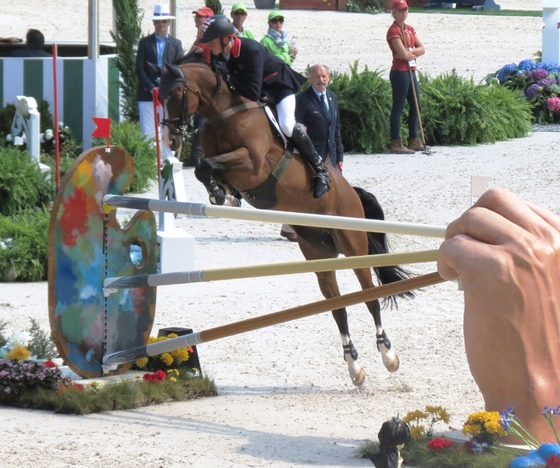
18	353
494	427
416	415
417	432
142	362
438	413
167	359
173	379
181	355
472	429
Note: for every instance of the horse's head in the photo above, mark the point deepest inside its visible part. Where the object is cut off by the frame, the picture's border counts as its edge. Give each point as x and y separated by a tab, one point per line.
177	107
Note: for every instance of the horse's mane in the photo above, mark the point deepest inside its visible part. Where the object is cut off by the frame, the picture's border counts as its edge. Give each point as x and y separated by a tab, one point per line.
195	56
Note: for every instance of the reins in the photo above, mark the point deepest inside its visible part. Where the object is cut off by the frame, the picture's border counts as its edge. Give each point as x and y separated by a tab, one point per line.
183	120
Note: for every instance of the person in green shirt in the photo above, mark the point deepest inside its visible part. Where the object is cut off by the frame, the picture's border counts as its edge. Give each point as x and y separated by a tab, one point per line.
238	16
276	39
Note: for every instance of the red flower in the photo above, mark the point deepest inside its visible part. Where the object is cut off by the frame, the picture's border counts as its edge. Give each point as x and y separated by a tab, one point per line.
553	461
79	387
49	363
437	445
158	376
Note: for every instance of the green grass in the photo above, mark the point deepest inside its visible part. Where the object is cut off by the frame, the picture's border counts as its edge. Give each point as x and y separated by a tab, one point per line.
469	11
111	397
418	455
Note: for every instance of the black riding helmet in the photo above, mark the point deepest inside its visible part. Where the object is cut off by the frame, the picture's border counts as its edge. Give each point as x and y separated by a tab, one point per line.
216	26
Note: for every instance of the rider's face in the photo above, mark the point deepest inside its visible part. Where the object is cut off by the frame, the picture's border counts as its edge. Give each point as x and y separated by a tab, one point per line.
215	46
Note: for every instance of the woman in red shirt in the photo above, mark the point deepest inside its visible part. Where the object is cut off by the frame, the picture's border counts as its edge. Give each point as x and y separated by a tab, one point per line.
406	47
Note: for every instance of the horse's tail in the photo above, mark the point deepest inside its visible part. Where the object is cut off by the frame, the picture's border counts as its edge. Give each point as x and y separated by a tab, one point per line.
378	245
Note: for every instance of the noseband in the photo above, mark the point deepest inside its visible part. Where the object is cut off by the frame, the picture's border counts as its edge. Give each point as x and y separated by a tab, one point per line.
184	119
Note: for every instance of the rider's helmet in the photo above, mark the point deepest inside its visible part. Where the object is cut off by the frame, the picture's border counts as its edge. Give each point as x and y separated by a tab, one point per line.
216	26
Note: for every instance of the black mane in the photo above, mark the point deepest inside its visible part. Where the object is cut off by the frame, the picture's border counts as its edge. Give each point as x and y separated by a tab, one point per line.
192	57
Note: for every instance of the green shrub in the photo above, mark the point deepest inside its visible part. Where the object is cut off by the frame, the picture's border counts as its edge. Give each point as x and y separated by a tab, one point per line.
22	184
23	245
365	6
455	111
127	135
364	100
128	20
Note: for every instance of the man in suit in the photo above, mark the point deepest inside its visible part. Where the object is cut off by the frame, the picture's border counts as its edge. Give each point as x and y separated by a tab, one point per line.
317	109
157	48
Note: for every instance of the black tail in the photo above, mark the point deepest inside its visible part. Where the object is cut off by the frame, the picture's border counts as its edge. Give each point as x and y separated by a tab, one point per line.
378	245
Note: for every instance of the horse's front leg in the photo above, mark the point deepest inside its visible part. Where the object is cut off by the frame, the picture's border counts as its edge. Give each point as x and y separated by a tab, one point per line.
204	173
223	164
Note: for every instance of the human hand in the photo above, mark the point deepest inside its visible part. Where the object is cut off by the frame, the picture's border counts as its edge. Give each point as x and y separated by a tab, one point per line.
340	165
506	253
11	40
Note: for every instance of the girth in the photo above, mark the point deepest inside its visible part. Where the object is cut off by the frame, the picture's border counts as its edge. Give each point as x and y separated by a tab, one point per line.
264	196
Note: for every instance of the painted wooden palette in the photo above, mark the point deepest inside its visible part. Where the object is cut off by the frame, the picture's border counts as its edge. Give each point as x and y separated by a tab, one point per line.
86	245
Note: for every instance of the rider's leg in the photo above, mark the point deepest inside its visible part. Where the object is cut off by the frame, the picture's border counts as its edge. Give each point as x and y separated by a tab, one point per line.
286	119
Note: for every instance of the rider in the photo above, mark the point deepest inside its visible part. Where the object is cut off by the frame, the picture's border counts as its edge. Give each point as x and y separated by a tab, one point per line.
252	71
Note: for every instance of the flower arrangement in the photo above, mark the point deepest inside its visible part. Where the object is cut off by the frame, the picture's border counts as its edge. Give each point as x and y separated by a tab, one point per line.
165	361
542	454
19	375
539	82
422	422
439	445
484	427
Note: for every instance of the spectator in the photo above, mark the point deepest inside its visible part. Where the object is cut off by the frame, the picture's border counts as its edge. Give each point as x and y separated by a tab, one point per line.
317	109
195	154
238	17
253	72
157	48
276	39
506	254
35	43
406	47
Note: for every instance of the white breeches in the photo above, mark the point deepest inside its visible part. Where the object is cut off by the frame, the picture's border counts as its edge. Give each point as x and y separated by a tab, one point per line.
286	109
147	125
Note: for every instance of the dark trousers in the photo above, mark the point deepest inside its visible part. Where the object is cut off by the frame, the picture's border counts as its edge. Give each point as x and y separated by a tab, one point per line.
402	91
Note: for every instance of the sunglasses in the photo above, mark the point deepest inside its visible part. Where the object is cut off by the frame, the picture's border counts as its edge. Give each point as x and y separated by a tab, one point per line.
161	21
277	20
240	12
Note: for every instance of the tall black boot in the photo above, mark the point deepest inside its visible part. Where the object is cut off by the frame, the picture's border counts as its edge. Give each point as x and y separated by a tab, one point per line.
322	179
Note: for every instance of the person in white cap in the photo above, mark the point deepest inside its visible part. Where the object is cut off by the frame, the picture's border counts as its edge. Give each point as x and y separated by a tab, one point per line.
157	48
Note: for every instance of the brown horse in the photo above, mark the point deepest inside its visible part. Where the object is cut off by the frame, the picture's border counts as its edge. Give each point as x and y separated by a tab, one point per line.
244	151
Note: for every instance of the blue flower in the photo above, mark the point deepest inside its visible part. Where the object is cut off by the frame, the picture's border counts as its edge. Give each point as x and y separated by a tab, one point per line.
533	90
527	64
505	72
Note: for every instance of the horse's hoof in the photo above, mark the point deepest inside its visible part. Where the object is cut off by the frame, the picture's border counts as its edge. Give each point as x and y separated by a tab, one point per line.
392	365
230	200
358	380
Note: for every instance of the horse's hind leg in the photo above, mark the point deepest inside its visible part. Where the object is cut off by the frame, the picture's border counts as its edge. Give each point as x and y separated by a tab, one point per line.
329	288
390	359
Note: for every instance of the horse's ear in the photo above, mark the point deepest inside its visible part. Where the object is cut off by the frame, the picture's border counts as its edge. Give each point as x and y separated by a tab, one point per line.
174	71
155	68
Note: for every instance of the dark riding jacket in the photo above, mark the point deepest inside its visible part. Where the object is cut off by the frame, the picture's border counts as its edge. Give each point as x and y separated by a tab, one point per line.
147	53
255	73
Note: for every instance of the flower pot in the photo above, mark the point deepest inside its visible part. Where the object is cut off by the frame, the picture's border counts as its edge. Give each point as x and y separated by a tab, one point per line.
265	4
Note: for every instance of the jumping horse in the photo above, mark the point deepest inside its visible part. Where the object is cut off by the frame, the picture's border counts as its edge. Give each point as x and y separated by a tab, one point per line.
244	151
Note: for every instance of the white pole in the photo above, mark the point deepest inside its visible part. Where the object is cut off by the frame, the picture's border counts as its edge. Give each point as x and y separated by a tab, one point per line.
551	31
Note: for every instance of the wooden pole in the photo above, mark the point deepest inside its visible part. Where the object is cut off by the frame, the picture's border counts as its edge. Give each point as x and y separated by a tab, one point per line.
270	269
110	361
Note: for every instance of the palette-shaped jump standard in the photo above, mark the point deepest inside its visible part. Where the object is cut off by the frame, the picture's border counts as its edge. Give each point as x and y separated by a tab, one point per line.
86	245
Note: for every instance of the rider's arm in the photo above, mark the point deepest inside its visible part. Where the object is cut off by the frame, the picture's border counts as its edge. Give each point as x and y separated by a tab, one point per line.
247	78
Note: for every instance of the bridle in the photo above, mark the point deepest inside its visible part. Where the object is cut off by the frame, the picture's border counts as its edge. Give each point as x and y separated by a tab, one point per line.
181	126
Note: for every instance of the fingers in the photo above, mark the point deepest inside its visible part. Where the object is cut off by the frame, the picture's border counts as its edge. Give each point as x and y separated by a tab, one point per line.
499	216
462	255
